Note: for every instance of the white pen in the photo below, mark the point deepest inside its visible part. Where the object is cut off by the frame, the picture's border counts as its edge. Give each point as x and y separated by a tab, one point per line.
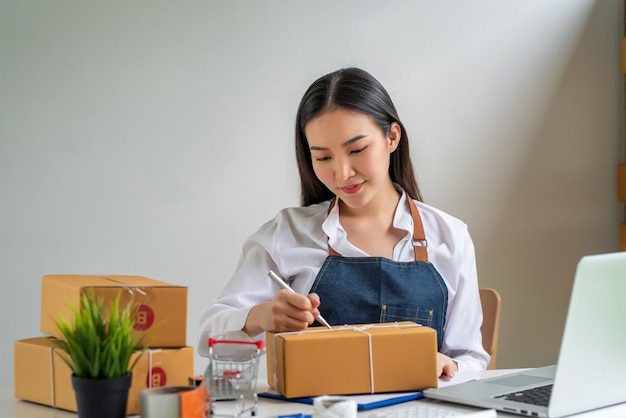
281	283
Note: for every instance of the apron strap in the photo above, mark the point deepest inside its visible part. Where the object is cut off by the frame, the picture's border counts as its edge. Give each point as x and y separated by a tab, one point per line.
420	245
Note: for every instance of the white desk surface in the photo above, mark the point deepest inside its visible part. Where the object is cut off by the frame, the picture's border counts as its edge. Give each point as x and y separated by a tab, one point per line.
10	407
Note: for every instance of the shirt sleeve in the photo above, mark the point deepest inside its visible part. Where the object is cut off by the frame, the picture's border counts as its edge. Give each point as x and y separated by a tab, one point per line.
462	336
292	245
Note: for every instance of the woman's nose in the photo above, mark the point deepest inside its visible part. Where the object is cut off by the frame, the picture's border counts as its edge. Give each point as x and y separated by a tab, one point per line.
343	169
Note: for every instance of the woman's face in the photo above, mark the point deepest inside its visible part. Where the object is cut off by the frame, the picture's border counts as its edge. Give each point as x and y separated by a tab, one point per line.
351	154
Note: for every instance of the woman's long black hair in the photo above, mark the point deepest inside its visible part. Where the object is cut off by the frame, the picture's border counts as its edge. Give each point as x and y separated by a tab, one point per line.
353	89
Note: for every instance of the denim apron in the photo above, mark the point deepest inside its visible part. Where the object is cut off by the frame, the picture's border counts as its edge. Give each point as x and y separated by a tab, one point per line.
366	290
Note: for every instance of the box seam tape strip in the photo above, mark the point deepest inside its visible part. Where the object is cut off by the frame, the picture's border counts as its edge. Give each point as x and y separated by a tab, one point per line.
135	289
52	377
150	378
132	289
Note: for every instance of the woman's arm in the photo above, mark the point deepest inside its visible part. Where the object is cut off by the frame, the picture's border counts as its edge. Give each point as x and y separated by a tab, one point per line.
250	302
462	337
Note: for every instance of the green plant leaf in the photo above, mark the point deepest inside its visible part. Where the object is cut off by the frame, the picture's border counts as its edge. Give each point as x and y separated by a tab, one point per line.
98	342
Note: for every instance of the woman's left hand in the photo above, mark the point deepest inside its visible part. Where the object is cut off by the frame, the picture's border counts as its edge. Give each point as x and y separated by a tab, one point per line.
446	367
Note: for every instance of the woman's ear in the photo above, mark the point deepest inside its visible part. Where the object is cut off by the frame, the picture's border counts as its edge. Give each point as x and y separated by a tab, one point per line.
393	138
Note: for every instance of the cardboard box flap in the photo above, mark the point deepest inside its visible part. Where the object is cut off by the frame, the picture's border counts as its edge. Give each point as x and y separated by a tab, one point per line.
113	280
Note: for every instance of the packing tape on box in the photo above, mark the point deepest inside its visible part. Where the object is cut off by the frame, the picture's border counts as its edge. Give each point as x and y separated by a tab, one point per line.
357	328
151	366
132	289
53	403
174	402
334	407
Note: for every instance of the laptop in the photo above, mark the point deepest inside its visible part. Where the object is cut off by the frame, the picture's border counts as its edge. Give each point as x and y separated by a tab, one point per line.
591	369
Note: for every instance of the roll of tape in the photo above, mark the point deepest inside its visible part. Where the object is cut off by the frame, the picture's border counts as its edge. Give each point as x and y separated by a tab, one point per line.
174	402
334	407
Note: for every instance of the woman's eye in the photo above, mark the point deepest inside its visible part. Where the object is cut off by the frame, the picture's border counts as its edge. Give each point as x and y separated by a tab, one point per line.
358	151
321	159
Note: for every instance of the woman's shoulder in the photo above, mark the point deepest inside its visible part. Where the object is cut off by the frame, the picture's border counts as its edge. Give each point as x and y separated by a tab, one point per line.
437	218
449	240
303	213
310	210
300	220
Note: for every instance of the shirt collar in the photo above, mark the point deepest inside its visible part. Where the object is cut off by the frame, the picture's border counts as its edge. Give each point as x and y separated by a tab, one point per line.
337	236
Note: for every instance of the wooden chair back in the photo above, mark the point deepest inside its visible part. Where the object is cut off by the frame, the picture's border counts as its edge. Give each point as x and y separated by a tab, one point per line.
491	302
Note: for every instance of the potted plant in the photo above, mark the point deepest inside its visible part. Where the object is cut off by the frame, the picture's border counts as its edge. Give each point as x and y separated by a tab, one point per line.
97	346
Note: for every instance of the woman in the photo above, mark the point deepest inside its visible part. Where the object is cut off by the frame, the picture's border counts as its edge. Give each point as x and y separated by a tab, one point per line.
363	247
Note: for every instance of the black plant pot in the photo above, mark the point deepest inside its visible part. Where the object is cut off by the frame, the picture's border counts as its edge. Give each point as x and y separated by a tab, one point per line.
101	398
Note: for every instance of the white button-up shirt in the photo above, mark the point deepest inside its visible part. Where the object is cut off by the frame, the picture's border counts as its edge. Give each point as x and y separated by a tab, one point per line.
295	244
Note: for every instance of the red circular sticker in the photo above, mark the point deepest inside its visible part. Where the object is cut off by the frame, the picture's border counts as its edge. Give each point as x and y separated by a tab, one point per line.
156	378
144	318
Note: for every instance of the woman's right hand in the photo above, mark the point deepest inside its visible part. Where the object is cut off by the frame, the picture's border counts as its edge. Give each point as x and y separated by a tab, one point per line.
288	311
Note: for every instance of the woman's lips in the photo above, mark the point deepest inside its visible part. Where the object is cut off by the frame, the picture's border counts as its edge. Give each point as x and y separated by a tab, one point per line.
352	189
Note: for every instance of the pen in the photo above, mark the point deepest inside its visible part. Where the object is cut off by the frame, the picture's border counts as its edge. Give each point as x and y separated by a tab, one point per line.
281	283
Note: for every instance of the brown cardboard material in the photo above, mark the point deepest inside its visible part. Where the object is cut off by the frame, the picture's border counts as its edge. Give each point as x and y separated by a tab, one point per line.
352	359
41	376
162	307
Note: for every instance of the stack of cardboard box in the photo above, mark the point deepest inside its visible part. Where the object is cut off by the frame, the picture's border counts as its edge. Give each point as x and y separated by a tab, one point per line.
42	376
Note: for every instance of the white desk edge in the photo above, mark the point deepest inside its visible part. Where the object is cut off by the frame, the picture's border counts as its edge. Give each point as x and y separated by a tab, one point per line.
11	407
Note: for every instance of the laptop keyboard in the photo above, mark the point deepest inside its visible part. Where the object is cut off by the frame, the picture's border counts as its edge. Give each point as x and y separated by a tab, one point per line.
419	410
416	411
535	396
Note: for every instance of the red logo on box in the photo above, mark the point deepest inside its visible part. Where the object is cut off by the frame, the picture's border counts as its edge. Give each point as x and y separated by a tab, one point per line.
156	378
144	318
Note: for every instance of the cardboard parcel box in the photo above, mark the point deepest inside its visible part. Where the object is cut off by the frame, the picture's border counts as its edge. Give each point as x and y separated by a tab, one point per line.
41	375
352	359
161	307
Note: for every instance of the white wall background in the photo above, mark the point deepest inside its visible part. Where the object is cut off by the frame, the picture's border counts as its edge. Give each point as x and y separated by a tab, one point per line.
152	137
